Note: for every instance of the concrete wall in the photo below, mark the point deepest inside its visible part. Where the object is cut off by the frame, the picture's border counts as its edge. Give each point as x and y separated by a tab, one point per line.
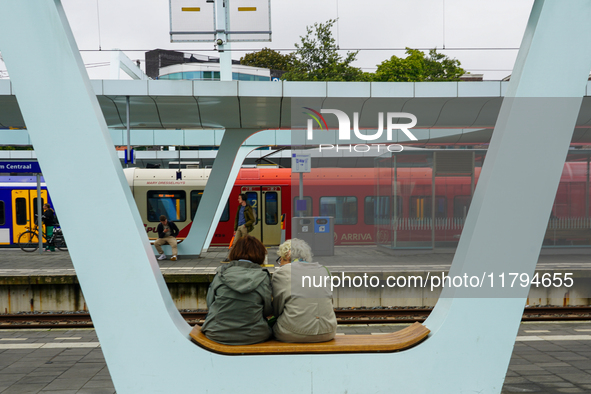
62	293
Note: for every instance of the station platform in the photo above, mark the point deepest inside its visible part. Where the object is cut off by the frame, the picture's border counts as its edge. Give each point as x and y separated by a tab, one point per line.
14	262
46	282
547	358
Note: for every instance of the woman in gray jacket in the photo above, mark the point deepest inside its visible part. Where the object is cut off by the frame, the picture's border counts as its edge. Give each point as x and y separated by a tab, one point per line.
239	297
304	311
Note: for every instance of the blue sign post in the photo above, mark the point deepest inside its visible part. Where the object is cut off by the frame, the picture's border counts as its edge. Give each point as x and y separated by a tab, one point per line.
28	167
20	167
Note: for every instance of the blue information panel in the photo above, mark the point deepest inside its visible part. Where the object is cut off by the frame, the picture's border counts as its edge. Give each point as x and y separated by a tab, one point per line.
321	225
20	166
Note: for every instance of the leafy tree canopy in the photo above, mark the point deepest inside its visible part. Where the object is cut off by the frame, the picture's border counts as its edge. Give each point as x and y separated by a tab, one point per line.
317	58
268	58
417	67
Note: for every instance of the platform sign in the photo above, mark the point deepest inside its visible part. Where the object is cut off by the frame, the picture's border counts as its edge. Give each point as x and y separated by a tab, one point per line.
248	20
29	167
301	162
192	20
195	20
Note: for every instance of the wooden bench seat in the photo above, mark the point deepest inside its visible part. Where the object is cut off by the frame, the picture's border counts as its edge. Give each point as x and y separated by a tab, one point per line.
382	343
178	241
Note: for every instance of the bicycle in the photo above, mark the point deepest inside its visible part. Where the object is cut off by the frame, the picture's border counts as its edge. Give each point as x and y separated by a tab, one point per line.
29	240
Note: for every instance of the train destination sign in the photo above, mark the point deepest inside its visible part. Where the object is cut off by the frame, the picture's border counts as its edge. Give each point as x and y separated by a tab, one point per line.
20	166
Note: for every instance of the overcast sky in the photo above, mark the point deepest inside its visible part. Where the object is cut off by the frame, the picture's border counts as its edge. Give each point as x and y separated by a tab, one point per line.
375	27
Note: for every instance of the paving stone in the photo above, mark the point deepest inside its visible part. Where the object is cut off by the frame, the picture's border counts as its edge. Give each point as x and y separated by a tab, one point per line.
36	379
560	384
522	388
543	379
24	388
97	391
9	379
555	364
98	383
66	384
514	380
567	356
577	377
526	367
17	370
580	364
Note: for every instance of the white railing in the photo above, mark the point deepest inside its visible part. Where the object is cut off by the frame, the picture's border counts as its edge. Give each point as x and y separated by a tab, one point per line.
569	223
403	224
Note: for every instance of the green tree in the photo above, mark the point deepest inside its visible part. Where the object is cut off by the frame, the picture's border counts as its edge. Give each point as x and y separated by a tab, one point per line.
268	58
10	147
417	67
317	58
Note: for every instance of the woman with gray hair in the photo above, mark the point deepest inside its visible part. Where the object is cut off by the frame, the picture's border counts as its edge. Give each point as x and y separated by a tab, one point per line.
302	296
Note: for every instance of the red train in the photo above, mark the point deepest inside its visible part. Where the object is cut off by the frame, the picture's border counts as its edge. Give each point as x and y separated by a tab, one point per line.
360	199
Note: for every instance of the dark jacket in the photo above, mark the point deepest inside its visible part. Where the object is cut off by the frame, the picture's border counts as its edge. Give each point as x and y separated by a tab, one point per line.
49	217
239	299
174	230
248	216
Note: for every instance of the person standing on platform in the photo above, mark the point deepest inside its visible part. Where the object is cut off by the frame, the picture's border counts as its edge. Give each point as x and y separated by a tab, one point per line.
49	222
244	221
167	232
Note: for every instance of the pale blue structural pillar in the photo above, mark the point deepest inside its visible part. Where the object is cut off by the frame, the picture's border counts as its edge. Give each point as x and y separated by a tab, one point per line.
228	161
143	337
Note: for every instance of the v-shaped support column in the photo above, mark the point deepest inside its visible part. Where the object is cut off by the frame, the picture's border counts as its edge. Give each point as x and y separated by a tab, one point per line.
228	161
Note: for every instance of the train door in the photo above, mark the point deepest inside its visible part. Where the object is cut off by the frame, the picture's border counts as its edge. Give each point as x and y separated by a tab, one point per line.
24	209
271	202
266	205
253	194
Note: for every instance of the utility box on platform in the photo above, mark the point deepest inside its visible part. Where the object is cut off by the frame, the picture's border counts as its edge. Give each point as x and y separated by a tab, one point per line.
317	231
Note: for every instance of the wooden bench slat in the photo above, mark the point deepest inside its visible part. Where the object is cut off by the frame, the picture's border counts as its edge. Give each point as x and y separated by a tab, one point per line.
178	241
382	343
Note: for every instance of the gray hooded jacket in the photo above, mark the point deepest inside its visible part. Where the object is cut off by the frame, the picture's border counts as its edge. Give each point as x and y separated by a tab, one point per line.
239	299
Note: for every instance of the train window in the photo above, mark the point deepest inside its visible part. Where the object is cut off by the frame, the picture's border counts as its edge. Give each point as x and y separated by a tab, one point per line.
195	200
35	207
271	209
461	206
343	209
196	196
253	199
2	218
21	211
226	213
170	203
308	211
380	212
420	207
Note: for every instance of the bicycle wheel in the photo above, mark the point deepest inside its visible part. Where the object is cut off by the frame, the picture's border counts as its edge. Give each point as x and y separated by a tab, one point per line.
28	241
60	243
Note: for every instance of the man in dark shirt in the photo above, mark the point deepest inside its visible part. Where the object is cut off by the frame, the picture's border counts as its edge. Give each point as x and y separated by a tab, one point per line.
167	232
49	222
244	221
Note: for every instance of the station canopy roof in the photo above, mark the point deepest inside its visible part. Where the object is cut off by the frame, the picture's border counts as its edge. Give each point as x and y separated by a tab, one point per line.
180	104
